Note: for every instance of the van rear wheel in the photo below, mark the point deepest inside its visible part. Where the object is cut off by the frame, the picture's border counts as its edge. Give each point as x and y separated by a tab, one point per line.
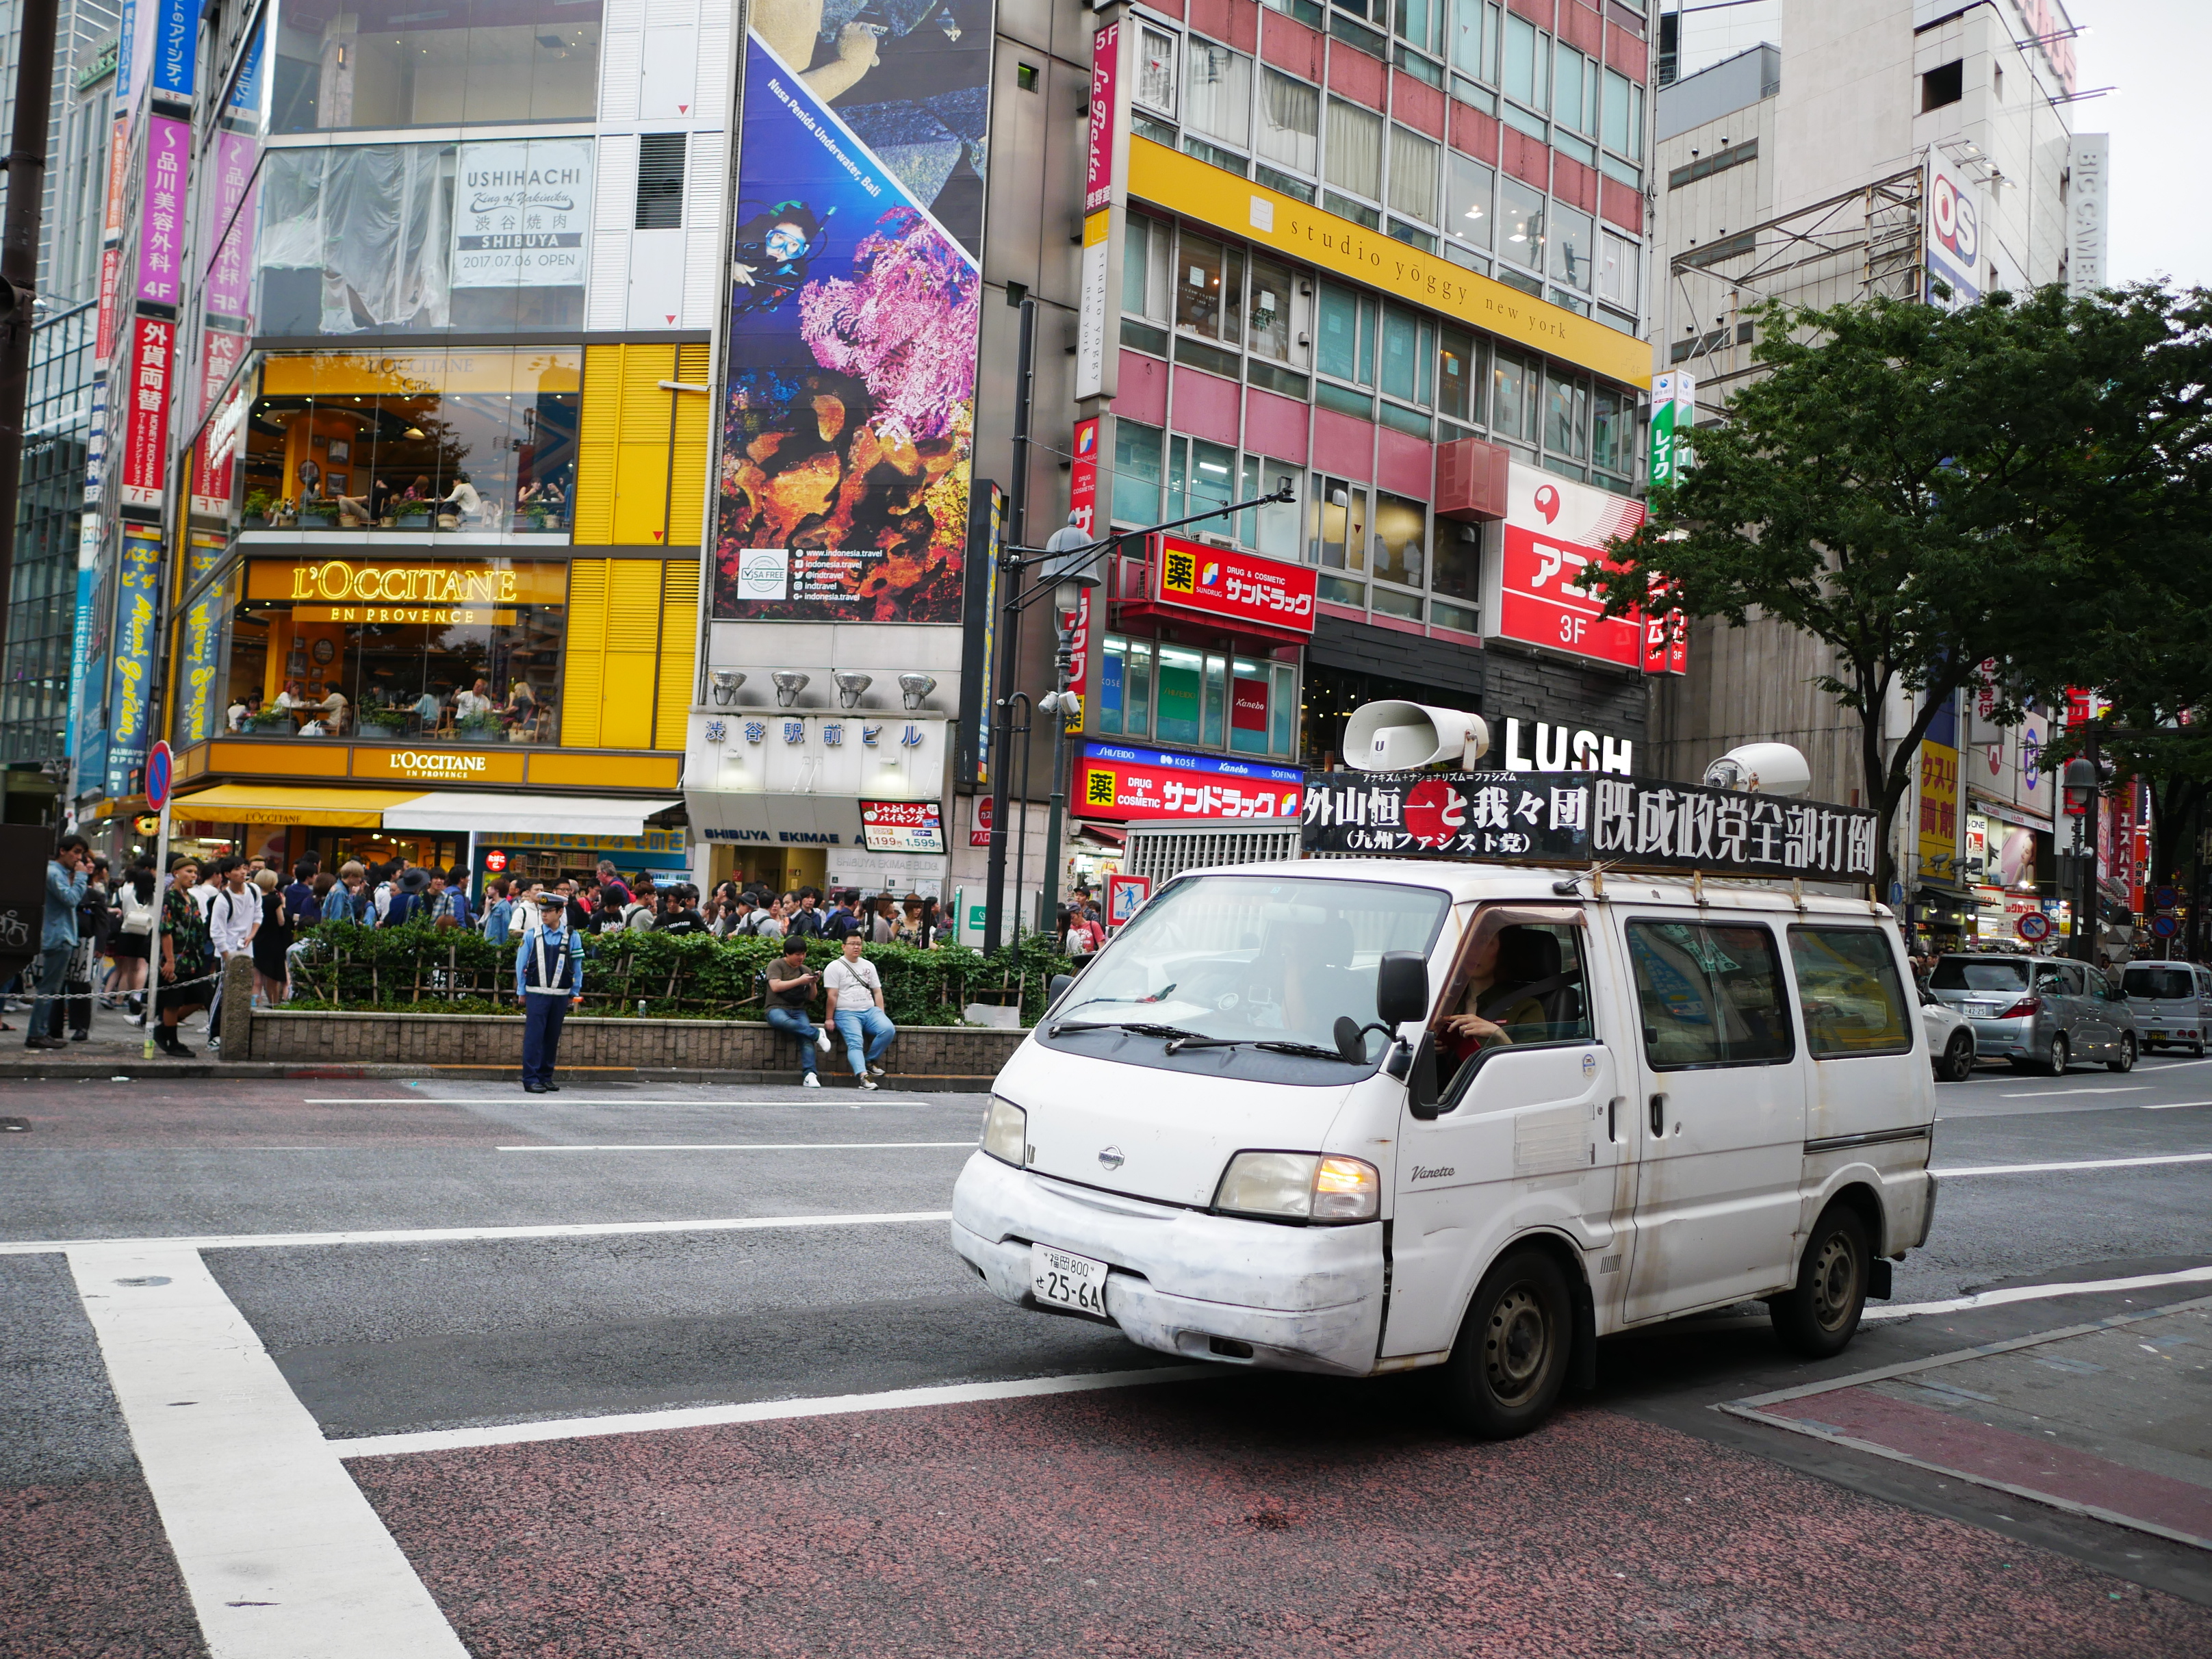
1820	1314
1507	1368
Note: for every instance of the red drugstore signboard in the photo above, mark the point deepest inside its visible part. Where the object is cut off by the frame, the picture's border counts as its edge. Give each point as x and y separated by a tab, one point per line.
1118	781
1256	596
1555	529
145	398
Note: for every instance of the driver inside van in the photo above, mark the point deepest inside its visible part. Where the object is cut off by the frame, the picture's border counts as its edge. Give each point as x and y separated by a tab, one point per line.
1500	991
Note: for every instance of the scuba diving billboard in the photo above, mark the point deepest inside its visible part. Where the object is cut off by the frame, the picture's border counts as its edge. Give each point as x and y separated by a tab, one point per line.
848	395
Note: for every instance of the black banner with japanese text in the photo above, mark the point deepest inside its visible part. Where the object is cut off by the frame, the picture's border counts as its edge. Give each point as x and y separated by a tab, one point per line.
1584	818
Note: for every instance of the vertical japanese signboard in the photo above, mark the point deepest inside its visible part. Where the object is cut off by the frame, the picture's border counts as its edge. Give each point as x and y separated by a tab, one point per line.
145	400
1674	411
848	403
130	665
1939	810
161	214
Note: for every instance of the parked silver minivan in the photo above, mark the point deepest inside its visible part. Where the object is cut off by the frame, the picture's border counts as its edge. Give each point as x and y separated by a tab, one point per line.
2038	1011
2171	1002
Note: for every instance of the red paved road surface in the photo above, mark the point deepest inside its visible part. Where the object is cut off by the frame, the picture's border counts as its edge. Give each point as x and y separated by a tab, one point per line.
148	1113
1214	1519
88	1572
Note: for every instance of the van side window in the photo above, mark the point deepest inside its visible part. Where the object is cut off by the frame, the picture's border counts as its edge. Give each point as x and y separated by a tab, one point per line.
1530	990
1711	995
1847	985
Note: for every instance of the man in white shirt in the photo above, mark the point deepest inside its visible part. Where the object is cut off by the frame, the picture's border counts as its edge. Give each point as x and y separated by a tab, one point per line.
477	700
856	1005
233	913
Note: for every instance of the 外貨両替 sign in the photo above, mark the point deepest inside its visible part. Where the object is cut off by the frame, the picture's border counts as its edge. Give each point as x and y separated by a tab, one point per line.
1578	817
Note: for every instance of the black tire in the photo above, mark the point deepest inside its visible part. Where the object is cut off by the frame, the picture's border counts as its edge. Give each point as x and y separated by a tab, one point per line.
1511	1361
2196	1051
2126	1062
1821	1315
2061	1055
1958	1058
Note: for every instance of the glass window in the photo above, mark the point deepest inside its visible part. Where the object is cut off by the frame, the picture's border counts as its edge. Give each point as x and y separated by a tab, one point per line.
1217	93
1112	683
1459	560
1249	689
1612	431
1400	539
1618	271
1532	987
1354	157
409	651
1338	537
1337	351
1526	74
1273	529
1137	700
1138	465
1469	187
1847	985
1213	482
1290	122
1216	700
1574	101
1418	22
1568	234
1210	290
1182	671
1283	711
1512	396
1566	413
483	440
1474	32
1402	355
1144	283
1156	78
1709	995
531	60
1270	332
1622	125
1413	162
1521	218
1458	386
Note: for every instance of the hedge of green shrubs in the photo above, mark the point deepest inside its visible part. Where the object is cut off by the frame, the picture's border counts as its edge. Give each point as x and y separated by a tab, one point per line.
424	969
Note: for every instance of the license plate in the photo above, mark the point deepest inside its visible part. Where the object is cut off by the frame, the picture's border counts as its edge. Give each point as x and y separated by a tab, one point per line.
1064	1279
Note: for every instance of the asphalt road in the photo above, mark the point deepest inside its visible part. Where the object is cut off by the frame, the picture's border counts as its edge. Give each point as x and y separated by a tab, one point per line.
1233	1512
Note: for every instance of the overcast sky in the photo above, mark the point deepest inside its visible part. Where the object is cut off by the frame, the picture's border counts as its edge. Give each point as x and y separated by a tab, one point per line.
2155	52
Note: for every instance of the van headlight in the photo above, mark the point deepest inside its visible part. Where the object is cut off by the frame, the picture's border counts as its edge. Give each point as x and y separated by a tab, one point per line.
1005	1131
1300	1187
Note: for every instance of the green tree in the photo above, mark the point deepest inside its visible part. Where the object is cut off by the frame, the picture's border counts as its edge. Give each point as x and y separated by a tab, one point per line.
1923	490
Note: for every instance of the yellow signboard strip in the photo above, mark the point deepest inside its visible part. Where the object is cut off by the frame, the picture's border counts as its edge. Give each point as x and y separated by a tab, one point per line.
1339	247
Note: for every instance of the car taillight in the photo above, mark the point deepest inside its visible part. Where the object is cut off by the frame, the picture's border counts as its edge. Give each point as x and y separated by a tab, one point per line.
2023	1008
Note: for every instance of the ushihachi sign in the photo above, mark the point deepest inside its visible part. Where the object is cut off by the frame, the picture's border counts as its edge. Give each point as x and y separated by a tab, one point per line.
1584	818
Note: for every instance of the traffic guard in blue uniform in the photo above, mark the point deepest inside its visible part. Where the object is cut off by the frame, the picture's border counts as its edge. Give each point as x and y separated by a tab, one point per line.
549	981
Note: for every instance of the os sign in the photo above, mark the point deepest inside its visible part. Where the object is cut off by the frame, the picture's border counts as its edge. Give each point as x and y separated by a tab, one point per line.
1954	233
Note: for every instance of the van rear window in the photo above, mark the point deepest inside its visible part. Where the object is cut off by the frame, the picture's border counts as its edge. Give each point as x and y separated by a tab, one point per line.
1979	974
2159	984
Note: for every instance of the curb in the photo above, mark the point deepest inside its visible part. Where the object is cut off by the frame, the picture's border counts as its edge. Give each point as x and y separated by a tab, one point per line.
137	1070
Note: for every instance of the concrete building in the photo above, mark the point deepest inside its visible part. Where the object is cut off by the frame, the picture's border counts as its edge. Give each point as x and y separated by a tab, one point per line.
1913	148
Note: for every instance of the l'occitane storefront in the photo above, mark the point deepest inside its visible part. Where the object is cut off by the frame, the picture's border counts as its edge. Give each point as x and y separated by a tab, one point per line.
424	699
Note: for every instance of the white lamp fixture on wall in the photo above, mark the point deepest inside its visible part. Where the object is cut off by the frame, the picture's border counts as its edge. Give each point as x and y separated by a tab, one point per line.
727	681
851	682
912	688
789	683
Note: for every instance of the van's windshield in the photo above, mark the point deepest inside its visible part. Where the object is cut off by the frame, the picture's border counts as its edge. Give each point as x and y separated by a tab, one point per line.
2158	983
1258	960
1979	974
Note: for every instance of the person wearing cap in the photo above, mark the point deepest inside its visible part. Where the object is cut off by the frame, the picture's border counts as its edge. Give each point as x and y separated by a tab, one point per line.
549	981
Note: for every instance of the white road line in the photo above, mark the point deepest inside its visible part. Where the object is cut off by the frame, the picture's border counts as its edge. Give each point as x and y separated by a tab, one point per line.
279	1551
766	1411
2107	1089
2040	1293
2169	1105
469	1234
2094	1164
760	1146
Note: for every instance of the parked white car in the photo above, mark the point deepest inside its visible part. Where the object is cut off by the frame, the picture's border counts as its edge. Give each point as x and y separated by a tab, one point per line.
1950	1040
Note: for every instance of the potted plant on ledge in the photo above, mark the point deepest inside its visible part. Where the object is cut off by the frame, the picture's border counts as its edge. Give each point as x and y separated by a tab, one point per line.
257	503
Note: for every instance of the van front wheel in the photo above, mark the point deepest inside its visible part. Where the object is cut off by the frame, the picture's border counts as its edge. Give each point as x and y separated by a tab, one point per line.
1821	1315
1507	1368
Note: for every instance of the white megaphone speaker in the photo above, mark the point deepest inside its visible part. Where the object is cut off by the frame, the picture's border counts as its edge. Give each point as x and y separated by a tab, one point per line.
1403	737
1765	769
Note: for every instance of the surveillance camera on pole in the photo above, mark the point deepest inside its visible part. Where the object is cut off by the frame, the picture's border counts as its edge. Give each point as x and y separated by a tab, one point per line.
1404	736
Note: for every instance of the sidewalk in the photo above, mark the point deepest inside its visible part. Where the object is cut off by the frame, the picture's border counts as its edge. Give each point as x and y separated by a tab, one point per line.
2105	1419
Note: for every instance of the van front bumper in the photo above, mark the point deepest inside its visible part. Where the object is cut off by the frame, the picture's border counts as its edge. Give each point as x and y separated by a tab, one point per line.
1293	1299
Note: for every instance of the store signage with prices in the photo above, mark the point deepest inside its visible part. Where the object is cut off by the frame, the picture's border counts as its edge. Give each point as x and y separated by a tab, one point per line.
902	826
1116	782
1274	598
1555	529
1574	817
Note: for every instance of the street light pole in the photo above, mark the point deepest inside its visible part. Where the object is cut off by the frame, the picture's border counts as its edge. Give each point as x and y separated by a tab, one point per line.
1001	752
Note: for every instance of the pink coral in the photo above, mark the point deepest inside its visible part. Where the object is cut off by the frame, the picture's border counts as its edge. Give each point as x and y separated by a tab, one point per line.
905	324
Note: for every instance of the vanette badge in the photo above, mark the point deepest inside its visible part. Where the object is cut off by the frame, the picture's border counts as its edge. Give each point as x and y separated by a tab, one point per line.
1109	1158
1590	1065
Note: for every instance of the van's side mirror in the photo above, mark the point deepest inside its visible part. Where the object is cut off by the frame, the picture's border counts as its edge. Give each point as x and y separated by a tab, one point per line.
1058	989
1401	987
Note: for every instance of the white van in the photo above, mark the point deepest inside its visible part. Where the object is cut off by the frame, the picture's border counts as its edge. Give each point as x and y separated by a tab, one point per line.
1250	1133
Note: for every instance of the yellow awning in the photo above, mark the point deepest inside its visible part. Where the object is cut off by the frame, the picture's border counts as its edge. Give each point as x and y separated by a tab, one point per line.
333	809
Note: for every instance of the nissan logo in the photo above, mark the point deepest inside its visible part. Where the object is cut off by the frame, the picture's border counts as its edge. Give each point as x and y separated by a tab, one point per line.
1109	1158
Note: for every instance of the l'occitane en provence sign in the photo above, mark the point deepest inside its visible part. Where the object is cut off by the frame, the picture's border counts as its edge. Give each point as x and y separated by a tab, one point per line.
1270	219
340	582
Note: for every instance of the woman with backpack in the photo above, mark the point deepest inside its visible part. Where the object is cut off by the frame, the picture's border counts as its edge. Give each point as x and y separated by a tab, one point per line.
133	939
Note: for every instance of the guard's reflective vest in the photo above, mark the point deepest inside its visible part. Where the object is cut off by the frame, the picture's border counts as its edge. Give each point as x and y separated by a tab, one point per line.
541	979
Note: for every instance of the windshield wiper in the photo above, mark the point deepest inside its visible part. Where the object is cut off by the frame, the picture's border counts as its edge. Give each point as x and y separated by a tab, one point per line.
1160	995
1138	1028
1303	1050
